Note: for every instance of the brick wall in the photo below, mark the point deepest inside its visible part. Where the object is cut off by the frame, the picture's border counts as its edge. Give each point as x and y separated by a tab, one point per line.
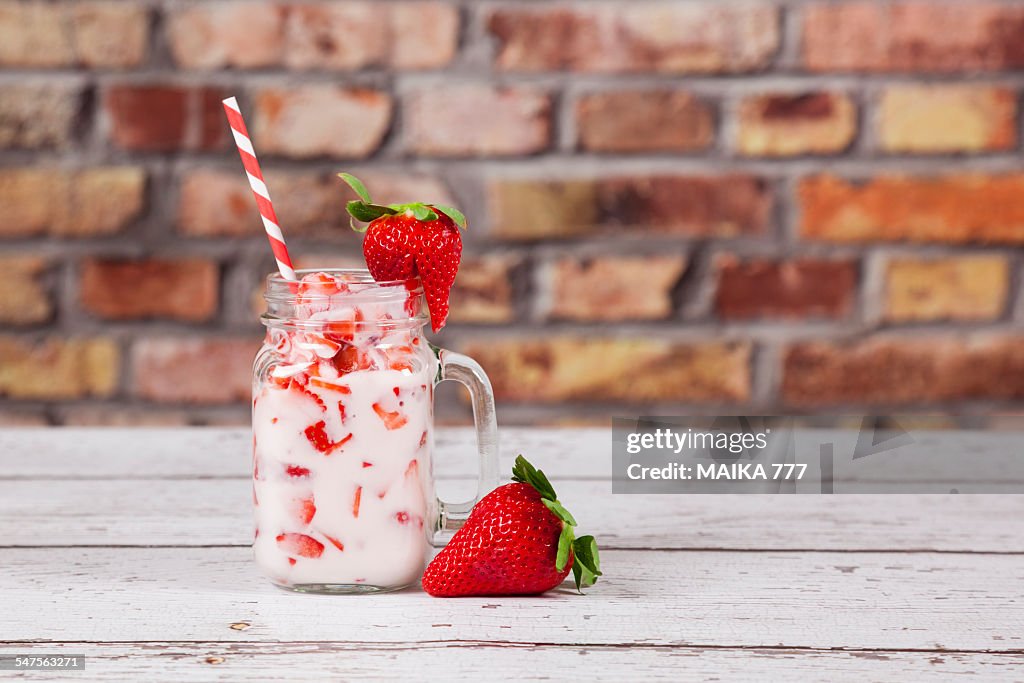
675	206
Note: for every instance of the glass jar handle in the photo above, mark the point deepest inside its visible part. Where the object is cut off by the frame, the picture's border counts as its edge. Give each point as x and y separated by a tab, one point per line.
466	371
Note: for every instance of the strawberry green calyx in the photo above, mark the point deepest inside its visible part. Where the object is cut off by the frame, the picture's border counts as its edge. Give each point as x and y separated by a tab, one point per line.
586	566
365	211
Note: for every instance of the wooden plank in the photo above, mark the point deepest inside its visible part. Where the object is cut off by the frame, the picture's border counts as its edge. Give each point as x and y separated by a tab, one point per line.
218	512
215	661
206	452
804	600
199	452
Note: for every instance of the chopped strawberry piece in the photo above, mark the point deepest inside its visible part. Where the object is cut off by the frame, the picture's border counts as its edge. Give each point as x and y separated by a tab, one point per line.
341	330
367	464
292	561
273	420
355	502
423	440
323	341
405	518
341	410
413	470
350	359
300	544
391	420
319	284
296	471
330	386
335	542
396	390
255	500
305	509
317	435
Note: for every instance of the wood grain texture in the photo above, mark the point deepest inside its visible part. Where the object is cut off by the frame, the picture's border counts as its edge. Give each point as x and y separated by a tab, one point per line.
197	512
761	599
217	661
131	546
203	452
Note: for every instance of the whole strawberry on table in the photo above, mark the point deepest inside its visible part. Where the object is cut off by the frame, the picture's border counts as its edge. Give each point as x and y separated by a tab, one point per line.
518	540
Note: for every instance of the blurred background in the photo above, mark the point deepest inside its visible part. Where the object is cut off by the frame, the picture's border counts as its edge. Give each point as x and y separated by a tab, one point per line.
675	206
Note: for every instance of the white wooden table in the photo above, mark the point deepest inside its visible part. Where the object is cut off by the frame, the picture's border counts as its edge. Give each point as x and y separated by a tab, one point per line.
131	547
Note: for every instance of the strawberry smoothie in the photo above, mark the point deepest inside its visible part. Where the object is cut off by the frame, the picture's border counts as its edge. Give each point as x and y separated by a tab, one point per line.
342	426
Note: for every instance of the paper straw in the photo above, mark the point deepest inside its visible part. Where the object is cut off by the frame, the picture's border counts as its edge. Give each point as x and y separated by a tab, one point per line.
259	188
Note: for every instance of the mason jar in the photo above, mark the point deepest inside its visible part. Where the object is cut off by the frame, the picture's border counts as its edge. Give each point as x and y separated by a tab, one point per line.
343	434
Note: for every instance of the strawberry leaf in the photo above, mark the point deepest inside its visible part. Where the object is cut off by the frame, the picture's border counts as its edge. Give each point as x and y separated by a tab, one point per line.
559	511
420	212
357	186
526	473
564	545
586	566
453	213
366	213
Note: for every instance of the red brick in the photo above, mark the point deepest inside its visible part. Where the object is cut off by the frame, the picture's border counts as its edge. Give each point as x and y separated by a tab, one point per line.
696	206
193	370
354	35
315	35
789	124
35	34
954	208
55	34
90	202
953	288
644	121
483	291
37	116
215	35
319	120
612	288
595	369
219	203
902	371
57	368
798	288
109	34
164	118
478	120
913	36
636	36
947	118
121	289
24	298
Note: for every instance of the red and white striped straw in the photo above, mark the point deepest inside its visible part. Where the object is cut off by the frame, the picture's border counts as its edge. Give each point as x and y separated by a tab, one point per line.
259	188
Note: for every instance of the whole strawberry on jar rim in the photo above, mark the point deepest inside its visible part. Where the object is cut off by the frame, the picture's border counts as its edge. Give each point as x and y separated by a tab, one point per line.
408	240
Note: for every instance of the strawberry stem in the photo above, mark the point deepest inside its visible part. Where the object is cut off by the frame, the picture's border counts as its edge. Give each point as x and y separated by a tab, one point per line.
586	565
365	211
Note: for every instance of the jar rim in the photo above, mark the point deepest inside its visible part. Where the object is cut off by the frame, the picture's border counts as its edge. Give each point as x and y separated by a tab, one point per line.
360	285
284	297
